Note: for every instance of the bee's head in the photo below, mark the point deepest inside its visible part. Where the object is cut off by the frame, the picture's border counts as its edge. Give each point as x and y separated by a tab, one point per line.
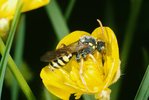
100	46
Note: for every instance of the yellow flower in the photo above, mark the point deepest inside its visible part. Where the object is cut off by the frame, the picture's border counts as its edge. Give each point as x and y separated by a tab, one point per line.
8	8
95	78
4	26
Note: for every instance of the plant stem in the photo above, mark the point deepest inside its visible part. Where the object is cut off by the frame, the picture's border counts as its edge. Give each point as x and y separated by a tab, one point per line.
19	77
57	19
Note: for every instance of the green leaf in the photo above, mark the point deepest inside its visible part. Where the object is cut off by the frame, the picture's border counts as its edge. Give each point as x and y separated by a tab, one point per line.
69	9
145	57
128	39
49	96
18	55
88	97
17	74
6	57
3	63
130	29
110	14
143	91
57	19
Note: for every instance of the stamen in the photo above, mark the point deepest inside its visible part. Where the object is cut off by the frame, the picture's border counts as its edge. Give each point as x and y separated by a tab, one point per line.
94	60
101	26
64	72
81	74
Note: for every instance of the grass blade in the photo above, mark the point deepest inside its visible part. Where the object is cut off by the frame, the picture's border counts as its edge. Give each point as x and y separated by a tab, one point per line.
130	28
110	14
59	25
49	96
4	59
69	9
128	38
19	77
18	55
143	91
145	57
57	19
88	97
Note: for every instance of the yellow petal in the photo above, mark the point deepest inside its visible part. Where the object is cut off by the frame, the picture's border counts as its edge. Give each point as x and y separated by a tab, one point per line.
8	7
55	83
33	4
71	38
109	37
4	27
112	63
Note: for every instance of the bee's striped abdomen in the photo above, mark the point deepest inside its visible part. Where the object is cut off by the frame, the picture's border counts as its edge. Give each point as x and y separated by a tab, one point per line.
61	61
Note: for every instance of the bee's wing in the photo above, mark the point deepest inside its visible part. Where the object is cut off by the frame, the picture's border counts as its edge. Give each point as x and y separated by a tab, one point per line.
50	55
76	47
65	50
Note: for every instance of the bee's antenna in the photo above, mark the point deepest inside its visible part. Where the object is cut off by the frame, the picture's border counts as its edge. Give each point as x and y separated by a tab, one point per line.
100	25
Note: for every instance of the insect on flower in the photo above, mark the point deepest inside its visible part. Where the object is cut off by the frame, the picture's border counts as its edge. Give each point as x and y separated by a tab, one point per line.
84	46
86	64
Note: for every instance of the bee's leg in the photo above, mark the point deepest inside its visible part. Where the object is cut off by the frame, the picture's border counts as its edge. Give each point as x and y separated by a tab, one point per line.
103	60
93	58
78	56
81	74
84	54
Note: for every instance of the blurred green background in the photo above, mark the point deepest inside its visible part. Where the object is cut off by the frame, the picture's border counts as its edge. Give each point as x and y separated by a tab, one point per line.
127	18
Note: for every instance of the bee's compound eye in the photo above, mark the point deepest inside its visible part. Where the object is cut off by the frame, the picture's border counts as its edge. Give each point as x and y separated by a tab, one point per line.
100	45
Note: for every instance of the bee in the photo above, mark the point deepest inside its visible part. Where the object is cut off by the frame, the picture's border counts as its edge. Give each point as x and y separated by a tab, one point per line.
81	48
